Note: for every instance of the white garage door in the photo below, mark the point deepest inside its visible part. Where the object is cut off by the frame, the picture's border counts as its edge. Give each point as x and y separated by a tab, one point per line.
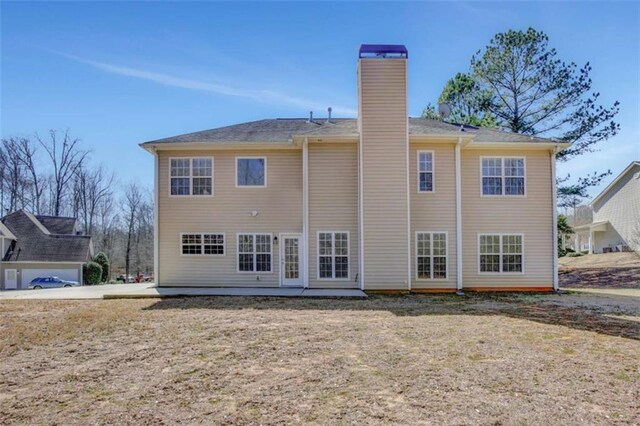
65	274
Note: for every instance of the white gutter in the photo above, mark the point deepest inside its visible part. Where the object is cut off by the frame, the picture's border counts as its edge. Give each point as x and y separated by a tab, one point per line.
156	218
458	219
554	220
305	211
360	188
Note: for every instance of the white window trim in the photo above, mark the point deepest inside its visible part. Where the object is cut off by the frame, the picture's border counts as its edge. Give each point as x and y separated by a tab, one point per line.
191	177
502	158
433	170
224	244
501	234
446	241
255	257
252	158
333	256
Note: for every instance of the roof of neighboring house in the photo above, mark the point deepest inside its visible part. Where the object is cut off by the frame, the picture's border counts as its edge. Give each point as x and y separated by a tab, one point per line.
35	242
616	180
284	129
58	224
5	233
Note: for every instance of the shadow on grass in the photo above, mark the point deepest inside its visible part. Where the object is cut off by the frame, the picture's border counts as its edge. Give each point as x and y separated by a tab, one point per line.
537	308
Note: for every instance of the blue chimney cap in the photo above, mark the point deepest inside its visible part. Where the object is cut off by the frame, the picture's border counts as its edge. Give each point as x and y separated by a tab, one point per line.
383	51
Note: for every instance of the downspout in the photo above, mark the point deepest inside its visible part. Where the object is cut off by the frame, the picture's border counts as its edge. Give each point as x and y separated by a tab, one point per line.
305	211
458	220
156	217
554	223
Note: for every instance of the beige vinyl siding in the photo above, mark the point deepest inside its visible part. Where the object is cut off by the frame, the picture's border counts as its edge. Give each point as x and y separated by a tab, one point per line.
35	265
621	207
384	145
530	215
434	211
279	208
333	204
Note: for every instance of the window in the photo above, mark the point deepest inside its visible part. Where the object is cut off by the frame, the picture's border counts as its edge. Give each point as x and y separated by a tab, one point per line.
425	171
198	244
503	176
254	252
333	255
251	172
191	176
501	253
431	255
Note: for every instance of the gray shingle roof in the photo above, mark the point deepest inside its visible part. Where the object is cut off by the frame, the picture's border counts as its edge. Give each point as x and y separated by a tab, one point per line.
37	243
284	129
58	224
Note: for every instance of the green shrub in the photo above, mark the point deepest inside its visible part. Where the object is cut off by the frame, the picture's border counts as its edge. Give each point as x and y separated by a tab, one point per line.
92	273
574	254
102	260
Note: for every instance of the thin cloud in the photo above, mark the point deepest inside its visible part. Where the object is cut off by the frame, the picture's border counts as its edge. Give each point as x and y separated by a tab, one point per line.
260	95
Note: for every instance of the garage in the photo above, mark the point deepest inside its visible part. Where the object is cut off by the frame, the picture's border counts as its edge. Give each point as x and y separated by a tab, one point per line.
69	274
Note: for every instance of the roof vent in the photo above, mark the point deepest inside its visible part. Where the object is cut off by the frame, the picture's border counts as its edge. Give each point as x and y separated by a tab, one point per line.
310	116
329	114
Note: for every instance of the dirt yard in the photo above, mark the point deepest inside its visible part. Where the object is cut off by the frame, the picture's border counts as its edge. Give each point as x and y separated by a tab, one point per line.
481	359
610	270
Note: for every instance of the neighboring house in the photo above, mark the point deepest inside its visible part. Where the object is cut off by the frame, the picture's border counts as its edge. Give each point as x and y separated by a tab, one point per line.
381	202
39	246
616	216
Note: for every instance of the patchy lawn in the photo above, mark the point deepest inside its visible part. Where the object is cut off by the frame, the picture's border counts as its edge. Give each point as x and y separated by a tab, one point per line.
607	270
498	359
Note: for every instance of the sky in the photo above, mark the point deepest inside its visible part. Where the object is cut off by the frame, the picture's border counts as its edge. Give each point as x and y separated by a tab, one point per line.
117	74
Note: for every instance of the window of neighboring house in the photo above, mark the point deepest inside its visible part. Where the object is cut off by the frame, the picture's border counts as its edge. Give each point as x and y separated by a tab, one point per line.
431	252
503	175
425	171
333	255
199	244
254	252
501	253
251	172
191	176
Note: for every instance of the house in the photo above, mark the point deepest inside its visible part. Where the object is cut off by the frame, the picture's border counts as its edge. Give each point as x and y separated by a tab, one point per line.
36	246
616	216
380	203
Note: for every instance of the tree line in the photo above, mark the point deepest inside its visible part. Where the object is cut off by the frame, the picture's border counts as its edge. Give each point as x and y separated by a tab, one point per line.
55	175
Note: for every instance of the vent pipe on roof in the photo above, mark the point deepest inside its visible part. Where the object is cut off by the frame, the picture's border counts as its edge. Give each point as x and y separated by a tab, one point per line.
310	116
329	115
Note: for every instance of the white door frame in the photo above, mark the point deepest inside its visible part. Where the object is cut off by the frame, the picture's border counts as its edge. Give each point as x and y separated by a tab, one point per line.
281	238
6	274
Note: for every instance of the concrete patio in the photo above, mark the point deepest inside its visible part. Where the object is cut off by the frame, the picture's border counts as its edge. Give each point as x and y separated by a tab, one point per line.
149	290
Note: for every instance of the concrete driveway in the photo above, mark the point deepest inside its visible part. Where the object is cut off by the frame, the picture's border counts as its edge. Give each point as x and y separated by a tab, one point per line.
83	292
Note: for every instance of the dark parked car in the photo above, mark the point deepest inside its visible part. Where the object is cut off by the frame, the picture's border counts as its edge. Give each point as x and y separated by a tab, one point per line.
125	279
51	282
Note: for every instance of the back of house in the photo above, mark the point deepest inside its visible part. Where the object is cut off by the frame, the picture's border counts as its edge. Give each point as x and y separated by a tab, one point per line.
382	202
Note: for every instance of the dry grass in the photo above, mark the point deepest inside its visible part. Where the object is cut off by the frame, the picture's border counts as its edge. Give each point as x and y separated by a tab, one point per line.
603	260
499	359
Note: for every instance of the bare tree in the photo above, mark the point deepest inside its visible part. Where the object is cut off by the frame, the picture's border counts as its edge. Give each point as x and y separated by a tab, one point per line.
132	200
90	188
27	153
13	179
66	158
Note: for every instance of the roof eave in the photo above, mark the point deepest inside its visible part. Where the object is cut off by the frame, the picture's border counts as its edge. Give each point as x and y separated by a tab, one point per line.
154	147
612	184
557	146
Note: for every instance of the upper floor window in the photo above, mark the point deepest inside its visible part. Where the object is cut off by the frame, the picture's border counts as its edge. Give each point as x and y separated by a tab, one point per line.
425	171
501	253
251	172
191	176
503	175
